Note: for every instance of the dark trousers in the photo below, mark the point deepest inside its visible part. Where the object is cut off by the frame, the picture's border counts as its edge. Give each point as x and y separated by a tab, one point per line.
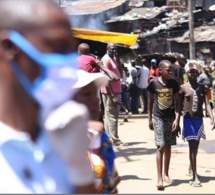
135	98
125	97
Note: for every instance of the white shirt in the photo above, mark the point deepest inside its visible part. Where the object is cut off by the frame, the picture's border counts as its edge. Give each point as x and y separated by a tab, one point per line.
133	73
124	78
30	167
143	77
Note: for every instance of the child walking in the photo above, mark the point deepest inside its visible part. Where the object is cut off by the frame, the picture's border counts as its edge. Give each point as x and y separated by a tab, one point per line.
164	118
194	95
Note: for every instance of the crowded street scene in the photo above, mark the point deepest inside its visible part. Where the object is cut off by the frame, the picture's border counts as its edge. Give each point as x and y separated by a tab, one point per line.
107	96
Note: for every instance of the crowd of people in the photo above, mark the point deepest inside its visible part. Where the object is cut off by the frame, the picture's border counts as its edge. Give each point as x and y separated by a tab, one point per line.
55	136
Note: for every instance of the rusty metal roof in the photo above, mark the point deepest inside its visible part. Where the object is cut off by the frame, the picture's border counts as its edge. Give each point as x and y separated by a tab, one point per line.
85	7
201	34
138	14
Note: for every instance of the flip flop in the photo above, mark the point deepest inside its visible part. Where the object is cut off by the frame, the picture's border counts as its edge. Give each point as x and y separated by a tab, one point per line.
195	183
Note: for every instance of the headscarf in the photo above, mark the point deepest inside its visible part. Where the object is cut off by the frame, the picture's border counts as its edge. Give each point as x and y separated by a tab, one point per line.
192	64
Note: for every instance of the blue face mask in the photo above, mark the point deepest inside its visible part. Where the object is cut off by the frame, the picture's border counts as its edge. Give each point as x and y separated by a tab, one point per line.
57	74
111	54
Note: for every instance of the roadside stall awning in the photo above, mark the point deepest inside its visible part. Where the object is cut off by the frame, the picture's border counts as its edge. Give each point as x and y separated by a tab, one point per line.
124	39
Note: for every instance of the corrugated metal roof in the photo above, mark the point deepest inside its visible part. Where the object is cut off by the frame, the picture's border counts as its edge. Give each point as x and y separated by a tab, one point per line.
138	14
179	20
86	7
201	34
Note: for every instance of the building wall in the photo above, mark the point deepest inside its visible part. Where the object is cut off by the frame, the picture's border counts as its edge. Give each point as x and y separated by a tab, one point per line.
199	47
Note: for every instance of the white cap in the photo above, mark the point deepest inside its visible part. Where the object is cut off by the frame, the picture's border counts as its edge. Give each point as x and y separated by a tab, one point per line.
84	78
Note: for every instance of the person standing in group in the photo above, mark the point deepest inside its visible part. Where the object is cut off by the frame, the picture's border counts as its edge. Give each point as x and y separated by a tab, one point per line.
154	70
38	68
165	122
194	95
124	84
207	80
91	64
111	94
142	83
178	71
134	90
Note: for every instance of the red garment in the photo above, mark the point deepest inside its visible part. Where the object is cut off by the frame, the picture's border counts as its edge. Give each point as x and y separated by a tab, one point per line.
112	65
209	94
88	63
154	72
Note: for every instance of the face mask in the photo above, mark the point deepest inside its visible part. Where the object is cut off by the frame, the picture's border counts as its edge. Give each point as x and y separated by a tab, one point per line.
57	74
112	53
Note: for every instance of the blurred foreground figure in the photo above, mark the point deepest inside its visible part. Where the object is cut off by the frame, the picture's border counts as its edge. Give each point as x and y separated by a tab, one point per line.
101	153
38	68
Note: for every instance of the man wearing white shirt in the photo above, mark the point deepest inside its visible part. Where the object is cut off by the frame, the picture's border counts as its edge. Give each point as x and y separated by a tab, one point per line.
133	88
142	83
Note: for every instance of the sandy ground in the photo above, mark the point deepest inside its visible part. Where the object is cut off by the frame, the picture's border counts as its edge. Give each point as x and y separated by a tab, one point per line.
137	166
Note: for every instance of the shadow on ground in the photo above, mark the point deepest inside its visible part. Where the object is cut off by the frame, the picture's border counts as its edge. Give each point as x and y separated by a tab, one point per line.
203	179
132	177
135	143
133	151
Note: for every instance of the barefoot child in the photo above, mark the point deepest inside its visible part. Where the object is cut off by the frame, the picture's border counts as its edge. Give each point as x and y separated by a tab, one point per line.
195	95
162	117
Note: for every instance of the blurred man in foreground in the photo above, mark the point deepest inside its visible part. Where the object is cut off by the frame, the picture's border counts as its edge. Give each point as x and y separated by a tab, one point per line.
37	71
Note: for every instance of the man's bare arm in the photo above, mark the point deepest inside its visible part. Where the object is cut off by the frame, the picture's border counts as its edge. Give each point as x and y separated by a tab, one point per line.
113	77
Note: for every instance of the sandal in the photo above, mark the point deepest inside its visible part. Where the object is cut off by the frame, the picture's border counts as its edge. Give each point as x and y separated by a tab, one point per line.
195	183
120	143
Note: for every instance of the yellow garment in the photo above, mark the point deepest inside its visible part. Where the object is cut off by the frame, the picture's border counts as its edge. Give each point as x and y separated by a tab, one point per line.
104	36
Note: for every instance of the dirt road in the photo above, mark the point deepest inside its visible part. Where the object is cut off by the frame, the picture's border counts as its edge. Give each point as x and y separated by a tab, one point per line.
137	167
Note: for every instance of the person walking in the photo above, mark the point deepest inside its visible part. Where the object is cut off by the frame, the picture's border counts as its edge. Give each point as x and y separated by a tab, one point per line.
194	95
162	118
111	94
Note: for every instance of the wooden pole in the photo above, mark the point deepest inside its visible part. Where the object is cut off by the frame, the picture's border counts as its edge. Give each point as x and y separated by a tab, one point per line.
191	30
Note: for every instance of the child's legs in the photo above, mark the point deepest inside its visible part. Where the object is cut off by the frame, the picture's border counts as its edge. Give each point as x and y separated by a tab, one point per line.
197	145
167	154
193	150
159	160
163	140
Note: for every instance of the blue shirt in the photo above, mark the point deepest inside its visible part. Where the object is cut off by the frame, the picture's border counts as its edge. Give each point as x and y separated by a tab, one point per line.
30	167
